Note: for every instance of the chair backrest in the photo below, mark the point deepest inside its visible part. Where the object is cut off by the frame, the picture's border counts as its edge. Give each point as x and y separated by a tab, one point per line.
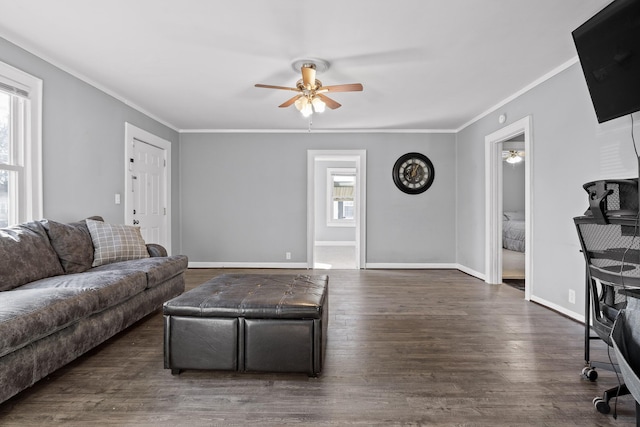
612	250
612	255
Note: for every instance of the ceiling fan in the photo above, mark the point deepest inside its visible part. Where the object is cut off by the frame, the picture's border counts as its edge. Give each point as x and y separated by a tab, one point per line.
513	156
311	95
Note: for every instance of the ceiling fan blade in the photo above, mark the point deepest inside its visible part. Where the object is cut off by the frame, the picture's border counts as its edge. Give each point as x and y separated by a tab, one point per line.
295	89
330	102
351	87
289	101
309	77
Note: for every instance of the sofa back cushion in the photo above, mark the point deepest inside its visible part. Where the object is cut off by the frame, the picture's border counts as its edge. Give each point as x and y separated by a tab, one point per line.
26	255
72	242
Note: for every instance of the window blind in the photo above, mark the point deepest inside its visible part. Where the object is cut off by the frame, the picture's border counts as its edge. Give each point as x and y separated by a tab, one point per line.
5	87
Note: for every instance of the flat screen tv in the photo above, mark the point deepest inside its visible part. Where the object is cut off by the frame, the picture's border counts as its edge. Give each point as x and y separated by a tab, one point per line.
608	46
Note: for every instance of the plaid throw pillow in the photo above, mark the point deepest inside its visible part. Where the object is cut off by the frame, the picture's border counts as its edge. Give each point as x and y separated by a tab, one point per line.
113	243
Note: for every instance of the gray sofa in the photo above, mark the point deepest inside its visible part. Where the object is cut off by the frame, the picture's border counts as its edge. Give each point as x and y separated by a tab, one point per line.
56	303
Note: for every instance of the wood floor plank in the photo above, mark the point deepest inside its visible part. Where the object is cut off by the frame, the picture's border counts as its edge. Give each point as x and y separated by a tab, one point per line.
405	348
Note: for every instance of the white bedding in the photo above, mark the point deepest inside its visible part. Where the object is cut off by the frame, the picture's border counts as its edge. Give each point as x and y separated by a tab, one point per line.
513	231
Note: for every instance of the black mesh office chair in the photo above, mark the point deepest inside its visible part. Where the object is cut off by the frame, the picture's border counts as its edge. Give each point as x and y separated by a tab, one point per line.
606	303
610	241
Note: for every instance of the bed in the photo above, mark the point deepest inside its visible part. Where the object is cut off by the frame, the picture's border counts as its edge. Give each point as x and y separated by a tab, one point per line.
513	231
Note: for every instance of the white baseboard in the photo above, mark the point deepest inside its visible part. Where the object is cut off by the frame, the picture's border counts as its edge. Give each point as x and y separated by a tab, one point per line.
471	272
371	265
558	308
292	265
334	243
410	266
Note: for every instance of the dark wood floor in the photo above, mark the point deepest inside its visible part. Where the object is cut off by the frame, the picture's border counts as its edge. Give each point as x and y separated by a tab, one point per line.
405	348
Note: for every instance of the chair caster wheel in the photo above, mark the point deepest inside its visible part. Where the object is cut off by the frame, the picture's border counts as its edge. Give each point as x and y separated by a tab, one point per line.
590	373
601	405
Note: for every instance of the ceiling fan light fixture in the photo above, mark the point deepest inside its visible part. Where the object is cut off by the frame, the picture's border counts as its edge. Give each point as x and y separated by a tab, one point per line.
307	110
304	106
318	105
311	94
301	103
513	158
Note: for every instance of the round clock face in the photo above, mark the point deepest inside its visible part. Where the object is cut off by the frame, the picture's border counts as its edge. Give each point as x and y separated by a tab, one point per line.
413	173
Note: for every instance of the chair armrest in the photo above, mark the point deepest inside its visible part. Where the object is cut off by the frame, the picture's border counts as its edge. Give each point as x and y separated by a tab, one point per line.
156	250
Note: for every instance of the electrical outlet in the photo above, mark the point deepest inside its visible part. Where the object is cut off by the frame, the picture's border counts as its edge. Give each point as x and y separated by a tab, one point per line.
287	255
572	296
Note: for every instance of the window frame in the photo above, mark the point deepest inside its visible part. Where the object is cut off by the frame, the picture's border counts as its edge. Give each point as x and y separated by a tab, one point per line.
331	222
29	172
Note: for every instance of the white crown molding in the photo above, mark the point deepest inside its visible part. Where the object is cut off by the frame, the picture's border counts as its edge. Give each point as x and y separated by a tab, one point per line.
317	131
127	102
522	91
30	49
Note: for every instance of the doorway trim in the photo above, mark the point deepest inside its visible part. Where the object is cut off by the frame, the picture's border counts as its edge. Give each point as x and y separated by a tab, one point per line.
360	159
493	197
131	134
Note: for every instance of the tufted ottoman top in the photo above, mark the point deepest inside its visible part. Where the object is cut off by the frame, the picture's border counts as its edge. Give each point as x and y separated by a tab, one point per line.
254	296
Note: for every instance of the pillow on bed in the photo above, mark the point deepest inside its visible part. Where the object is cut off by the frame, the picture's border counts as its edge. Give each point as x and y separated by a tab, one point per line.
114	243
514	215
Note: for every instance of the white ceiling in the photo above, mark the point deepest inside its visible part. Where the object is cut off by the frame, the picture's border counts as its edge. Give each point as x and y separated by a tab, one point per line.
424	64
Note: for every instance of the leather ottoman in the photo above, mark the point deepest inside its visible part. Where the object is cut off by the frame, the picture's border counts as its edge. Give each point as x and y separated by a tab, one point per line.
249	322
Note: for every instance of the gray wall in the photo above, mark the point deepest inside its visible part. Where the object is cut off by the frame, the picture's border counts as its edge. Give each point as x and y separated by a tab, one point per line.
563	123
83	144
513	187
244	197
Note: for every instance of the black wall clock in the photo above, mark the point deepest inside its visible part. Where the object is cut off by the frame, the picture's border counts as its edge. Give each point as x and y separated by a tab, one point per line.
413	173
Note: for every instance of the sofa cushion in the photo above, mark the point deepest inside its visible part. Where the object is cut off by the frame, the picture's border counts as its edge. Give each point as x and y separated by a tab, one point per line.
157	269
72	242
113	243
26	255
110	287
28	315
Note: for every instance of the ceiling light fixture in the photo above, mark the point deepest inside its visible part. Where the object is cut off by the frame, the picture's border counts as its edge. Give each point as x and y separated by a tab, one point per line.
311	95
513	157
309	101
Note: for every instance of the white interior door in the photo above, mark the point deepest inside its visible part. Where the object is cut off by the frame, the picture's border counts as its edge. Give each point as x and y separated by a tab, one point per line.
147	184
148	191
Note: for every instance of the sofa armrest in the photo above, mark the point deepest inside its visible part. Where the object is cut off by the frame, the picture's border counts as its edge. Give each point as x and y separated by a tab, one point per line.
156	250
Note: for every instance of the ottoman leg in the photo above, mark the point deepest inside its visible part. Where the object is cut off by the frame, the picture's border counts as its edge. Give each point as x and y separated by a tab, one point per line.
175	371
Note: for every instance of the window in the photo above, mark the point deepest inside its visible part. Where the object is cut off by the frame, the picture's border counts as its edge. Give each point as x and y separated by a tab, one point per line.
20	147
341	191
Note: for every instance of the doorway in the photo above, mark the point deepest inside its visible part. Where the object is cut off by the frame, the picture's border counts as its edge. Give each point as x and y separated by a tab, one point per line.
513	207
147	185
494	217
336	207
